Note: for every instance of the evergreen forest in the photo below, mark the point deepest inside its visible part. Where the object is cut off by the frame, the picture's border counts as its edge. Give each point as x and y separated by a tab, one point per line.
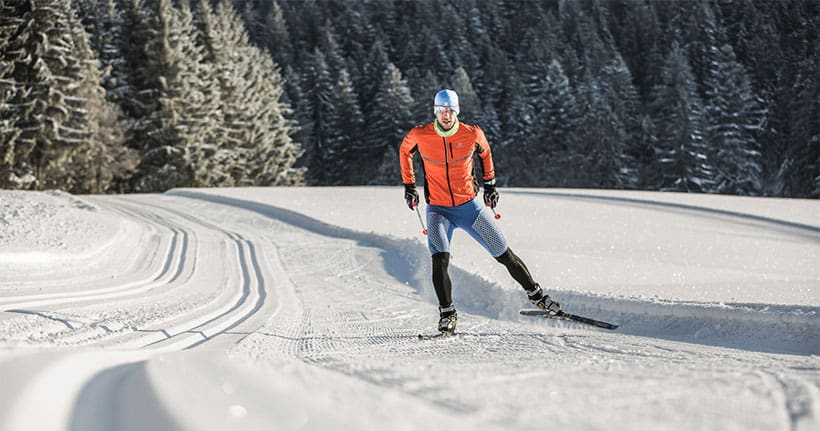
117	96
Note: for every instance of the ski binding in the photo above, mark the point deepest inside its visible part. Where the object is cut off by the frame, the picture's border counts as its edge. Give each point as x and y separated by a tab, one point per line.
442	334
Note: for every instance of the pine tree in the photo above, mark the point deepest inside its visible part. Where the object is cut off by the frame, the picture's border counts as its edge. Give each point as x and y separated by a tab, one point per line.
491	125
532	62
37	41
478	43
300	116
437	57
254	145
356	34
517	146
209	160
53	100
423	94
798	128
272	153
637	35
373	69
379	19
104	24
697	25
331	50
351	141
393	106
602	136
682	159
468	99
217	158
646	145
102	157
322	99
622	98
136	93
608	50
555	144
276	35
179	121
496	69
736	118
137	98
11	174
252	21
800	170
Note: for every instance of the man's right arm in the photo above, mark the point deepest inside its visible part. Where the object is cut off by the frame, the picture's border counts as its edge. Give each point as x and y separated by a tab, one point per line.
406	151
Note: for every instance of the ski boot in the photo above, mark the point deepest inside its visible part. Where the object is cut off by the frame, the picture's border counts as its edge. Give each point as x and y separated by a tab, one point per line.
543	301
447	323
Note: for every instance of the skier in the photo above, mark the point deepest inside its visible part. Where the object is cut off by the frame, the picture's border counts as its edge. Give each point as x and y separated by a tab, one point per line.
451	189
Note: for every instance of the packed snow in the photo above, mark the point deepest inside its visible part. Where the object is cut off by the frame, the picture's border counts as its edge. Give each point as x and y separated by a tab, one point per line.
299	308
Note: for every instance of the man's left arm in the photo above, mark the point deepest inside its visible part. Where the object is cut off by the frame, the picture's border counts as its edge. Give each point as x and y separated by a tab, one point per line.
486	156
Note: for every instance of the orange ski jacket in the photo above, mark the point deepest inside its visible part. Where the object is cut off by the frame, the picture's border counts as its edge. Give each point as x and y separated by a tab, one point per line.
448	162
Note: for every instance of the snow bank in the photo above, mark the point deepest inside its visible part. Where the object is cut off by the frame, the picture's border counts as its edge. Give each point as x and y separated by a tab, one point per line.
36	227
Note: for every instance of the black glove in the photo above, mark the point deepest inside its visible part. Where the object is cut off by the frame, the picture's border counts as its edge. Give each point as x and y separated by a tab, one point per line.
490	194
411	196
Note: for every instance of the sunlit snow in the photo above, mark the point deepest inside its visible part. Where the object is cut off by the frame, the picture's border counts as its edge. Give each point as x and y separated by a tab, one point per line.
299	308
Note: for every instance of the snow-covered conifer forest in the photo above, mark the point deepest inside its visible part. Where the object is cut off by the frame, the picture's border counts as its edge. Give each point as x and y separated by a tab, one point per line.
713	96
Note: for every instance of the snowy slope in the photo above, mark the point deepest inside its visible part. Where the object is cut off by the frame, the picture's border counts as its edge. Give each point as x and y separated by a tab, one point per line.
298	309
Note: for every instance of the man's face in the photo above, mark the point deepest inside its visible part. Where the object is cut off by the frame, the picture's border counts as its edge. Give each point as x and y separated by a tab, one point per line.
446	118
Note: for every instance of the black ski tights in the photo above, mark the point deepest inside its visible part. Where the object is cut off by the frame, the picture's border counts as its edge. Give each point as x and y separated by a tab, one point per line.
441	279
444	288
517	269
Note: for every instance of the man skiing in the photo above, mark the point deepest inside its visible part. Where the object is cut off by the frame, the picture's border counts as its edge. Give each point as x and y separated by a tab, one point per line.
447	147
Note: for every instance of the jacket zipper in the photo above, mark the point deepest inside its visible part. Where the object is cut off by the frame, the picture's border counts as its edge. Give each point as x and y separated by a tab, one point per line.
447	168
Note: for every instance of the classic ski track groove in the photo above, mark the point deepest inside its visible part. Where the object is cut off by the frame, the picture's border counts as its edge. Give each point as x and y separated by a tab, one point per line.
170	268
184	264
191	328
198	326
168	272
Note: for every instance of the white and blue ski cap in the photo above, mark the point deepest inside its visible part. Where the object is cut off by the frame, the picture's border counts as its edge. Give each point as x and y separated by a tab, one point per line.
446	99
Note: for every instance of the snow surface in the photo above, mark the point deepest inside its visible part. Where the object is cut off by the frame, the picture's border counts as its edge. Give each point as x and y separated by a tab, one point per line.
298	308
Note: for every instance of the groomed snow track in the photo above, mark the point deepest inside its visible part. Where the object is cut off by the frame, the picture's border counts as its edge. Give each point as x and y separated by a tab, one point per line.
242	314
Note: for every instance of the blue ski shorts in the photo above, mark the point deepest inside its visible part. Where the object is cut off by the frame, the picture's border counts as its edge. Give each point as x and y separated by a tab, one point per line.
471	217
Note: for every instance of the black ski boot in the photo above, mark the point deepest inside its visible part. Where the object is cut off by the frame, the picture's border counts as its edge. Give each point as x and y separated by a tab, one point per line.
543	301
447	322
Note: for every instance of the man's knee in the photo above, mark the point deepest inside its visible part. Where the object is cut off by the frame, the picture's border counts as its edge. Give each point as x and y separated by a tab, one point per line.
507	257
441	260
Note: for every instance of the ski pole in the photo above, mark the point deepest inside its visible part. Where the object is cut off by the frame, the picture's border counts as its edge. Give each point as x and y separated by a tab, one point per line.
418	213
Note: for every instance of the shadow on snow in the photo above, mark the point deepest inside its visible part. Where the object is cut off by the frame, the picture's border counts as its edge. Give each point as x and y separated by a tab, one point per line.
754	327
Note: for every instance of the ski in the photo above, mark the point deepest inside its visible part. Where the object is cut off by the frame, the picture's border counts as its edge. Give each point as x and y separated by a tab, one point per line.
567	316
443	334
